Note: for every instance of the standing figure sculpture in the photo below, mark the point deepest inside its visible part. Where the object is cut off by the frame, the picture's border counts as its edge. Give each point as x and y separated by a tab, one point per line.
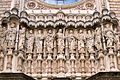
98	43
60	41
39	42
90	41
22	38
71	42
11	35
30	41
81	41
110	38
49	42
2	37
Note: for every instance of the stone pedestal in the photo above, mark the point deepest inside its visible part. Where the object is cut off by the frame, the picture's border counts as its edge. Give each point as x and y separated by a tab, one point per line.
14	76
105	76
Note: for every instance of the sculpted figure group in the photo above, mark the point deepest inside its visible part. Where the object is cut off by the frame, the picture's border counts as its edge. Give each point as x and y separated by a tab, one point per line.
49	40
40	42
46	41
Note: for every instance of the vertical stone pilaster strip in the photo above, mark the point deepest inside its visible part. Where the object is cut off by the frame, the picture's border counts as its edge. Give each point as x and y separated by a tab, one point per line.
13	3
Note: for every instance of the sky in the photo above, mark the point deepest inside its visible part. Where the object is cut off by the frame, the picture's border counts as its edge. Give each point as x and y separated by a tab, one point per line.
60	2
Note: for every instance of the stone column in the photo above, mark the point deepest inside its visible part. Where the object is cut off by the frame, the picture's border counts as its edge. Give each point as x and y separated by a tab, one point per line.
20	62
13	3
82	61
39	64
111	59
44	51
72	62
49	64
9	60
1	61
92	62
101	64
66	49
22	5
29	63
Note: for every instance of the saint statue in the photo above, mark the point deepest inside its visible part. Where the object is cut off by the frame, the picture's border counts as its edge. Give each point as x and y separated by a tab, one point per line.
39	42
81	40
60	41
11	35
30	41
71	42
49	42
22	38
110	38
90	41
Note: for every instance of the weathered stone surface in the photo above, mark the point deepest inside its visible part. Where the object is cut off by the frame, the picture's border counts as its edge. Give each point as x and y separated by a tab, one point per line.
105	76
14	76
44	41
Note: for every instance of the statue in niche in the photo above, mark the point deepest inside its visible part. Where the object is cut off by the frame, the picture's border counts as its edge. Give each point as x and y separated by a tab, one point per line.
39	42
81	41
60	41
11	35
30	41
72	42
22	38
49	41
2	37
109	38
98	43
90	41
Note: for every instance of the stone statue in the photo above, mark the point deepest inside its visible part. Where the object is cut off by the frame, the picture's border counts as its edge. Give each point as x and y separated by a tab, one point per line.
71	42
2	37
98	43
49	41
60	41
30	41
110	38
81	41
11	35
22	38
39	42
90	41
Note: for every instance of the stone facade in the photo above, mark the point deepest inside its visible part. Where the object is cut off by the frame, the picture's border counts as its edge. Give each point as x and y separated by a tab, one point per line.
46	42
